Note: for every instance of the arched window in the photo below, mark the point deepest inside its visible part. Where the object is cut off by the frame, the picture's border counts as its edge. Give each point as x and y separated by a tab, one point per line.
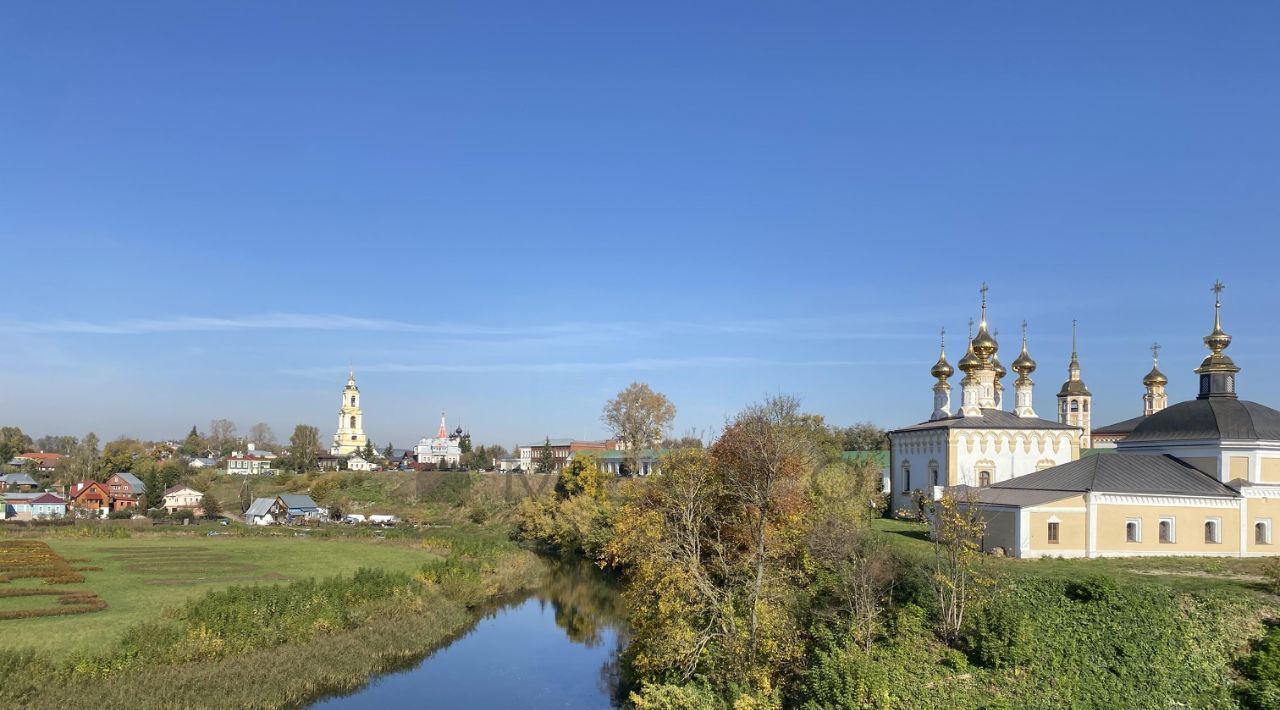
1075	406
933	474
984	478
1086	405
1262	532
1133	531
1063	407
1053	533
353	422
1212	532
353	400
1166	530
906	477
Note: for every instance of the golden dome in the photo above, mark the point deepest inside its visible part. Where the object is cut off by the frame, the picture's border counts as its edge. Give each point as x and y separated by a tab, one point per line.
1155	377
1023	364
998	367
942	369
984	346
970	361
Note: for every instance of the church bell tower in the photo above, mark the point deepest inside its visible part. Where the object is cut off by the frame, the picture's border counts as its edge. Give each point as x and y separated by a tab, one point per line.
1074	398
350	437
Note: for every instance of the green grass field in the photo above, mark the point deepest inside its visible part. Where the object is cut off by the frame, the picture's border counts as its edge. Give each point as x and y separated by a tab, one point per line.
143	575
1188	574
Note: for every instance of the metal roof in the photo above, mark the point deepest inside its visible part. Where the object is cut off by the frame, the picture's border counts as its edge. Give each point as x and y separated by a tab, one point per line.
134	482
1216	419
1009	496
294	501
989	419
1123	427
1123	473
260	506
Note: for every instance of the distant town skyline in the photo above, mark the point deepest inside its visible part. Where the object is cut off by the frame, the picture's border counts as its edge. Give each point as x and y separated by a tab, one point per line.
214	211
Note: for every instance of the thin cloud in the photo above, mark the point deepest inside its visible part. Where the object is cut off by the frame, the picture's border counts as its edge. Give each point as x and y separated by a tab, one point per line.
638	364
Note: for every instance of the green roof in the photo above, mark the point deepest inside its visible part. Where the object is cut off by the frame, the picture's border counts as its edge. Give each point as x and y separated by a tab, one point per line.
1095	452
880	458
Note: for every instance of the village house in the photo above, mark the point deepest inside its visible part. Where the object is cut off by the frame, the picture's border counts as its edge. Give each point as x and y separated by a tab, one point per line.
126	490
43	462
202	462
259	512
33	506
615	462
18	482
283	509
249	466
92	498
179	498
358	463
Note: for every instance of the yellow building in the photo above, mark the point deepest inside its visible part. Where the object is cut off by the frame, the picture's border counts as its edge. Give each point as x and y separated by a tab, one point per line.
1198	478
350	436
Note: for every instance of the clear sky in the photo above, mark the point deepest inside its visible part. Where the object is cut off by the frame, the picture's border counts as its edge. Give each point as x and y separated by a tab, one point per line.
512	210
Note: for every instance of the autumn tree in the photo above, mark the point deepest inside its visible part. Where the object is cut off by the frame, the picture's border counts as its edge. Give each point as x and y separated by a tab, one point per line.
194	444
64	445
956	527
83	465
639	417
120	455
222	435
212	508
12	443
261	436
864	436
303	446
765	454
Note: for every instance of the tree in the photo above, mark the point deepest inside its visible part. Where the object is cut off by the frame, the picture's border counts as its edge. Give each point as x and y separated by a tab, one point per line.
261	436
222	435
155	488
194	444
56	444
212	508
957	529
862	437
120	455
246	495
546	461
12	443
464	443
639	417
303	446
765	451
83	464
388	452
369	453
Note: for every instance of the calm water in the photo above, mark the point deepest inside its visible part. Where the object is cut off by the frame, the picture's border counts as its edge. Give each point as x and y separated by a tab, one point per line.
554	649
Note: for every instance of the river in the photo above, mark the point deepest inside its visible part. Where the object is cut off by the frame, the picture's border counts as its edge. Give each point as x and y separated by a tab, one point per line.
555	648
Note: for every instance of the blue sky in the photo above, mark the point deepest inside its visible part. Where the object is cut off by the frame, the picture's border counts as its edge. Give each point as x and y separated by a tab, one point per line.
512	210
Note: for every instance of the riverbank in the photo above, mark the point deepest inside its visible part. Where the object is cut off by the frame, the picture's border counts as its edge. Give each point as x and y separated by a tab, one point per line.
276	645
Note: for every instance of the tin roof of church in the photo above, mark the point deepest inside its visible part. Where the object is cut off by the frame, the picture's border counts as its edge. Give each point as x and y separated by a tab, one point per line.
1213	419
1123	473
1123	427
989	419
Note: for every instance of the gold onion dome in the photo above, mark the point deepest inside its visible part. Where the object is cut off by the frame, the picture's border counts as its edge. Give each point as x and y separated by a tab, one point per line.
1155	377
942	369
984	346
998	367
970	361
1218	340
1023	364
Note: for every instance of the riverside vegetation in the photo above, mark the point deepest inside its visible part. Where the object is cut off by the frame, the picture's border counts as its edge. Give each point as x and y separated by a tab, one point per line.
241	638
758	573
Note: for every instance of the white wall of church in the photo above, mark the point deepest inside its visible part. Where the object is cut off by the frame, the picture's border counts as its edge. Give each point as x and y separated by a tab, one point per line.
1006	454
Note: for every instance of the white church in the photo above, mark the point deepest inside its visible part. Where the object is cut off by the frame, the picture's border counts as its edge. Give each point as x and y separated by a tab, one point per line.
982	443
443	450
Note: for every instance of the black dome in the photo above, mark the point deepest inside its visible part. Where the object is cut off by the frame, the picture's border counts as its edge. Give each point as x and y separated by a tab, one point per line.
1213	418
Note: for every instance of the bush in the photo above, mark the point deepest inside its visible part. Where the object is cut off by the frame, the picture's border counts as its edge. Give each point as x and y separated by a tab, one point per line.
1261	669
121	514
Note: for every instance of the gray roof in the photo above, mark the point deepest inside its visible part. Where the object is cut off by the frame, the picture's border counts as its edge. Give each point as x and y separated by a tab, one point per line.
294	501
1074	388
1123	473
1009	496
18	479
1217	418
1124	427
260	506
134	482
989	419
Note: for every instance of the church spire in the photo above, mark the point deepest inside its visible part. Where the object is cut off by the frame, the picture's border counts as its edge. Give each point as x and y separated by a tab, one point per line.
1155	399
1023	392
1074	399
1217	371
444	431
941	370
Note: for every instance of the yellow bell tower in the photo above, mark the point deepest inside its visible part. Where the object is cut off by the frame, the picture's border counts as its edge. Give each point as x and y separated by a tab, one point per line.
350	437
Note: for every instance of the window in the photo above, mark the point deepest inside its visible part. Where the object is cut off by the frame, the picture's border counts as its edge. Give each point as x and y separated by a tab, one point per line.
1075	406
906	477
984	478
353	422
1053	533
353	400
1086	405
1133	531
1166	530
1262	532
933	474
1213	531
1064	406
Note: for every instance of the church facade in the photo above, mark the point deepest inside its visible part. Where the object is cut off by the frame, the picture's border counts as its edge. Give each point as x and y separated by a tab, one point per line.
982	443
1200	477
350	437
443	450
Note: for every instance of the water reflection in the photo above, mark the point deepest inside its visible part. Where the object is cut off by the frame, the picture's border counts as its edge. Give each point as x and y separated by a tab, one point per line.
556	648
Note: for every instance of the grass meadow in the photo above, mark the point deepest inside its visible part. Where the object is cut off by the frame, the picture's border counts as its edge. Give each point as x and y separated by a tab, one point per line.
139	577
